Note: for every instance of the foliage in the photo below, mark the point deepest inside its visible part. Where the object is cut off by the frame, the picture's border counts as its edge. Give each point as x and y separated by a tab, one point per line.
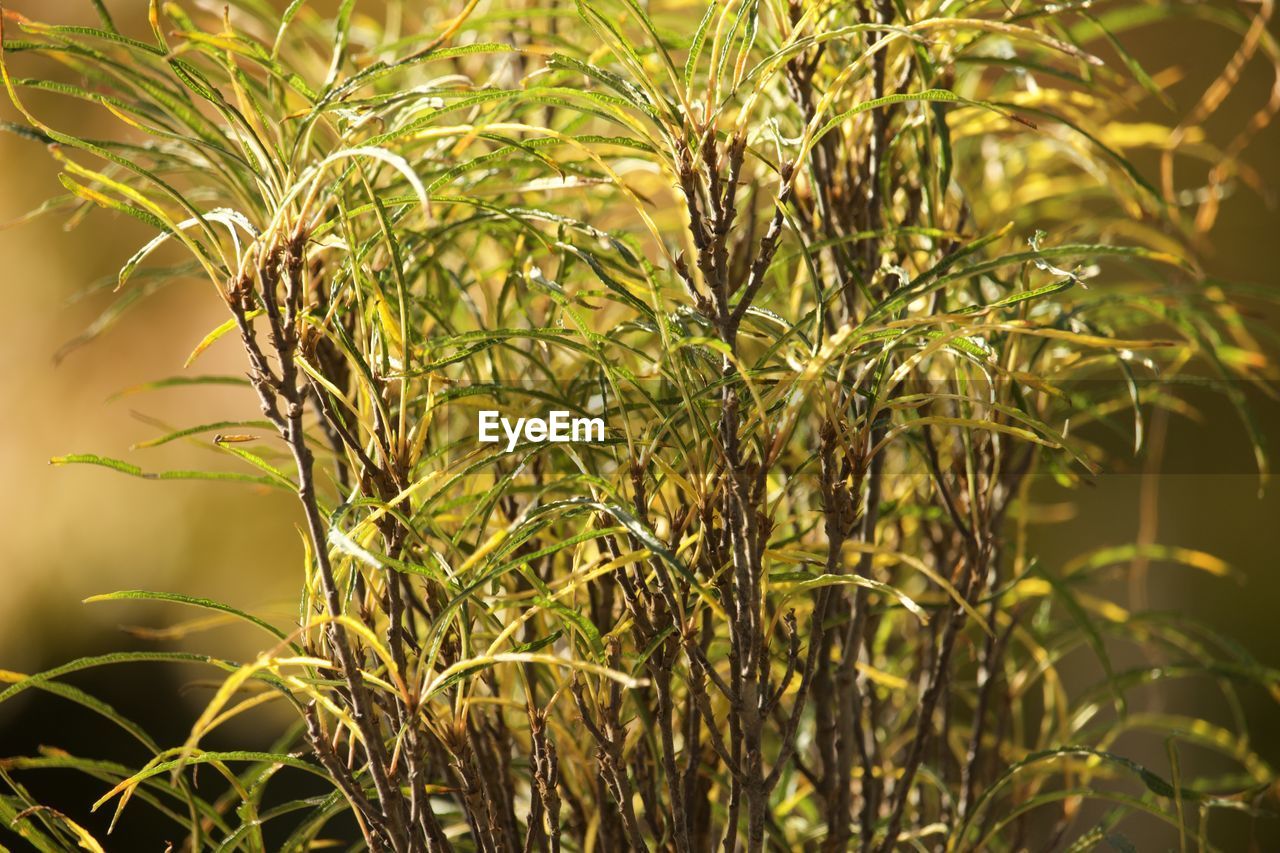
838	277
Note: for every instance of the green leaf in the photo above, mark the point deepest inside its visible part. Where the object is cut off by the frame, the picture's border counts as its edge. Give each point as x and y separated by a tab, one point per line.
179	381
135	471
191	601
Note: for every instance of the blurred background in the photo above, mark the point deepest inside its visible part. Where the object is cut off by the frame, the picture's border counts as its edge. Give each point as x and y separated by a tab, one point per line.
73	532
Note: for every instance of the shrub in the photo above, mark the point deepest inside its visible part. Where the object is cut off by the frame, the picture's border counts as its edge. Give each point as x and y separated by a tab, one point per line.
836	277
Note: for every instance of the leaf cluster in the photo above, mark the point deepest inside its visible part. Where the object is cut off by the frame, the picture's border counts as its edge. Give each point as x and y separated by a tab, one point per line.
843	279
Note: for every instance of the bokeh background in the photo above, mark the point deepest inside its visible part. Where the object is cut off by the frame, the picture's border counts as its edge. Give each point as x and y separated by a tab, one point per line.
69	533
